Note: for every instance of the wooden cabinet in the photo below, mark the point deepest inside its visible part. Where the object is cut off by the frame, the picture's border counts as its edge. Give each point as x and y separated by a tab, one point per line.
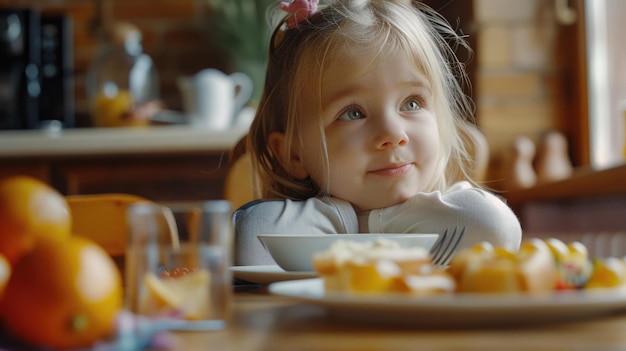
159	177
37	169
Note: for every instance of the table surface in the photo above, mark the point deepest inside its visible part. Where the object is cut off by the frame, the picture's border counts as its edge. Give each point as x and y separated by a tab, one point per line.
266	322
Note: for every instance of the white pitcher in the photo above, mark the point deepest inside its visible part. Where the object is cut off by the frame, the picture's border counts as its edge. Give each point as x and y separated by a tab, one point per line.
212	98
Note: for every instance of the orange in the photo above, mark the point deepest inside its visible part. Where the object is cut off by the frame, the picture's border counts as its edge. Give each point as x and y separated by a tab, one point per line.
5	273
109	111
62	294
29	210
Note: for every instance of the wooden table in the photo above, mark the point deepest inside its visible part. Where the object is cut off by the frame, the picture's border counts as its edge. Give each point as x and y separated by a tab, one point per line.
271	323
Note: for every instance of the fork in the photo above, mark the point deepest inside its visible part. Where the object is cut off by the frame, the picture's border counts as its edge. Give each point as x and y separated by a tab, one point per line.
446	246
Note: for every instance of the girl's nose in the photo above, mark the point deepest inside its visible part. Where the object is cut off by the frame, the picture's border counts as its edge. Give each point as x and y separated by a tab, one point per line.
390	133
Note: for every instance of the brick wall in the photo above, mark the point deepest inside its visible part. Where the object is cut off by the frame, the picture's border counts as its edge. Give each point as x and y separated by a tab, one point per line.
517	79
175	34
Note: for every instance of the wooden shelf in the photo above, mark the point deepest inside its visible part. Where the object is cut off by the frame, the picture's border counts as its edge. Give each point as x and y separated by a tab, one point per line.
584	183
591	201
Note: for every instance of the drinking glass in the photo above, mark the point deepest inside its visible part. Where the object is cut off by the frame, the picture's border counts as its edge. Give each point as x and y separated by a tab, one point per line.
177	263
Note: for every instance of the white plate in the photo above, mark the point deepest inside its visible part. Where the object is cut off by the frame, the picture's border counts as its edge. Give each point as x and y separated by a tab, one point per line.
267	274
469	310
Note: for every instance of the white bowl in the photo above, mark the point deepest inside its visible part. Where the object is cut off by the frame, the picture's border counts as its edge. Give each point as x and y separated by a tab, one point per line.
294	253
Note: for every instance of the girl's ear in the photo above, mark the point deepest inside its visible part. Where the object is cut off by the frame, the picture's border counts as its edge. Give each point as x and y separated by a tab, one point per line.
294	165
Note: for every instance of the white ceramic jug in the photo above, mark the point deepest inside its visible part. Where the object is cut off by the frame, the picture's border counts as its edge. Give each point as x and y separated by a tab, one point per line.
212	98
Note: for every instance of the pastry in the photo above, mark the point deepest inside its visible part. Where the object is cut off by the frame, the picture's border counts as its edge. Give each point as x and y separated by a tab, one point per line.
488	269
573	264
380	266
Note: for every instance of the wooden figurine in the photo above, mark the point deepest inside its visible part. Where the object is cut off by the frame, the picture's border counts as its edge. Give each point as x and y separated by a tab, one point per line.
518	171
553	163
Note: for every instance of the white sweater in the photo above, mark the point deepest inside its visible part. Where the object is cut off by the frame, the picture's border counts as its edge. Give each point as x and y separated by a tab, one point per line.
485	217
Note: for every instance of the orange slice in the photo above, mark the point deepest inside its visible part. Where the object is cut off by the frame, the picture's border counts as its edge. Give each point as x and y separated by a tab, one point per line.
608	272
188	294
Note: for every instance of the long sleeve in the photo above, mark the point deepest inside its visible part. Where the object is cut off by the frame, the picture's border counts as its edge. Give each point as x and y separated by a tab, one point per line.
485	216
313	216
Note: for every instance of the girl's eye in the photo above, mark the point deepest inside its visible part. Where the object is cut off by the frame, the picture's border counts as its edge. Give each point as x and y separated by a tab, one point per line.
351	115
412	105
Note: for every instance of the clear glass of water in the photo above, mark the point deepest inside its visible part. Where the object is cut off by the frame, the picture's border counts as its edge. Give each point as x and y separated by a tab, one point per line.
177	263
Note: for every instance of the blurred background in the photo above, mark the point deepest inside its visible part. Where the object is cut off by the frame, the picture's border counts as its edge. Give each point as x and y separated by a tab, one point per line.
539	68
529	70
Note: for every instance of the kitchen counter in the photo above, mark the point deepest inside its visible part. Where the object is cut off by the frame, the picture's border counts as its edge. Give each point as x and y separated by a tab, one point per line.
162	163
105	141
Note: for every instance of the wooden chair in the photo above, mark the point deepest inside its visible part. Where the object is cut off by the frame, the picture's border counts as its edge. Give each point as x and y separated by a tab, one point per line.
239	183
102	219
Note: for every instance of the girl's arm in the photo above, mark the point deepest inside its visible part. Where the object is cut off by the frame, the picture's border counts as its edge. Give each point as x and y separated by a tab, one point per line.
485	216
312	216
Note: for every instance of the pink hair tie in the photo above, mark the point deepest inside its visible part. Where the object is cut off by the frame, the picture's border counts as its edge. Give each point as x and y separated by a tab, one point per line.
299	10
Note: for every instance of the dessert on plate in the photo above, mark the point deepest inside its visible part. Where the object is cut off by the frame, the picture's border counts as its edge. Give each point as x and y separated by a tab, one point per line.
540	266
380	266
488	269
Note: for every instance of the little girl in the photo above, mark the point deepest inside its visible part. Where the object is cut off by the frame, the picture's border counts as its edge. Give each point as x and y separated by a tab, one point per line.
362	128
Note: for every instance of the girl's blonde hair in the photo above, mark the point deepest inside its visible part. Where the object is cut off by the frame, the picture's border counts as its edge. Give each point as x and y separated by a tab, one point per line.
299	56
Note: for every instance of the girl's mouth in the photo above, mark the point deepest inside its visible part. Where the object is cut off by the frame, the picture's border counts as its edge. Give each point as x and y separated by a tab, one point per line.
394	170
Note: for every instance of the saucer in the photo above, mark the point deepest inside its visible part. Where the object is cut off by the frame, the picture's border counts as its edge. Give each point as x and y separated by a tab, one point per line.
267	274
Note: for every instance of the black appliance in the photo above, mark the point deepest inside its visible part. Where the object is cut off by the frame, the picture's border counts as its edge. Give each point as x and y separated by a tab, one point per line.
36	69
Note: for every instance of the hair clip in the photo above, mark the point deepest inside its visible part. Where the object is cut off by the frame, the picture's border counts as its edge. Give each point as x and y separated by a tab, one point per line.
299	10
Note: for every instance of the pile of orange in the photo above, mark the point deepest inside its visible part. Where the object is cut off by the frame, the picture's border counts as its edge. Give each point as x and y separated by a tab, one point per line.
56	290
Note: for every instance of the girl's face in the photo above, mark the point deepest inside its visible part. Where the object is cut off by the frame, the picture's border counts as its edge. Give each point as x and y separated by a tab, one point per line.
381	130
